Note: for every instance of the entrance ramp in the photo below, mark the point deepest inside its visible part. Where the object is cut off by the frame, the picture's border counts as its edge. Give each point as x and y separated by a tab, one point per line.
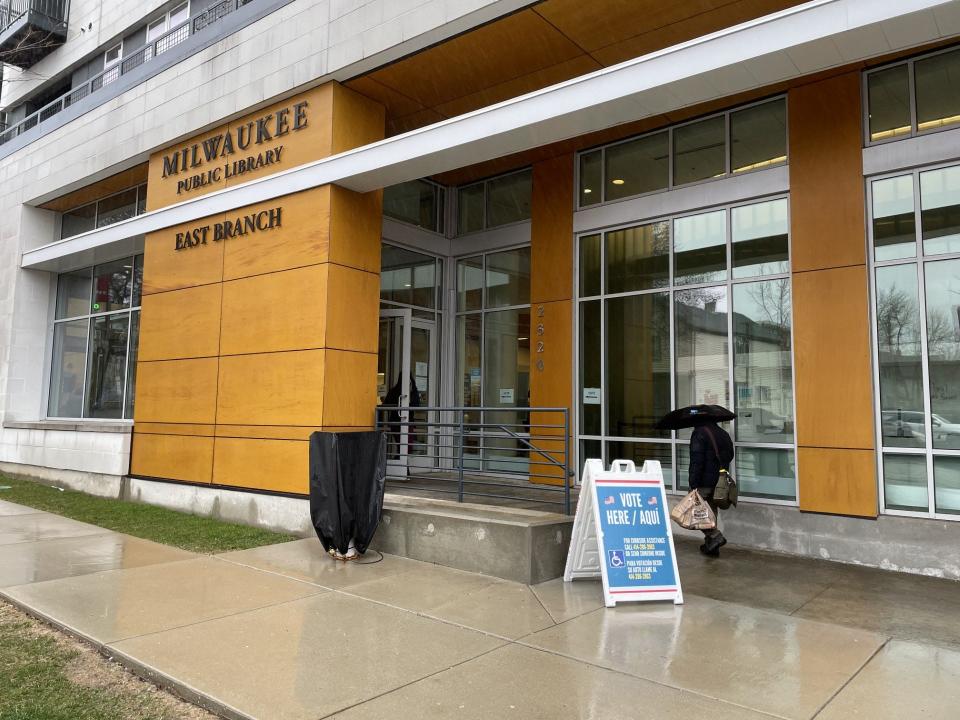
513	543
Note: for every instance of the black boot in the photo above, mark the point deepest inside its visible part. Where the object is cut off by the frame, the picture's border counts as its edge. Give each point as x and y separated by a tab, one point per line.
711	548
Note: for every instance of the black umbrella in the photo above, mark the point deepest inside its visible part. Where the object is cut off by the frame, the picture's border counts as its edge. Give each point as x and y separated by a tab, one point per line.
694	415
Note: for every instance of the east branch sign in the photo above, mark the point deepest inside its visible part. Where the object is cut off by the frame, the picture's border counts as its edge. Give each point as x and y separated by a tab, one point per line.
221	147
238	227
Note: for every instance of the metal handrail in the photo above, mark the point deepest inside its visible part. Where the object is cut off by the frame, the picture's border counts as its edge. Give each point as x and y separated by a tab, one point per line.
460	451
130	62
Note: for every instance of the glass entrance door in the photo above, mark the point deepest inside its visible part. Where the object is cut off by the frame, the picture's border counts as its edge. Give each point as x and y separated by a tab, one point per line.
406	378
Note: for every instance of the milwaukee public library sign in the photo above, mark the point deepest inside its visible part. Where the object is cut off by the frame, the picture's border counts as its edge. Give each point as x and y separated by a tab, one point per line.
223	147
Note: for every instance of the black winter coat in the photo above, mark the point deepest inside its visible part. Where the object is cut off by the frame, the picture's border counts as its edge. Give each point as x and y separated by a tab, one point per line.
704	465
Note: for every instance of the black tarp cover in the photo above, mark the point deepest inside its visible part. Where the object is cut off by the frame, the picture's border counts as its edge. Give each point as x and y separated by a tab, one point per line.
347	473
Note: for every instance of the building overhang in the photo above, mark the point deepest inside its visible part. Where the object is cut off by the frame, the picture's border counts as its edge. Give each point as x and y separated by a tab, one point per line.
806	39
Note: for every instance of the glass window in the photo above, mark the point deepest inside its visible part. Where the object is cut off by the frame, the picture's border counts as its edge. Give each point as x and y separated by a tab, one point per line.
112	287
115	208
137	280
894	227
470	284
508	278
179	15
112	55
508	198
700	248
506	366
156	28
132	363
638	364
765	473
638	166
73	294
591	170
638	258
639	452
470	208
702	350
589	265
762	361
900	357
107	366
943	347
407	277
141	199
67	371
79	220
940	210
905	482
591	343
414	202
759	236
946	480
888	93
937	81
699	150
758	136
468	348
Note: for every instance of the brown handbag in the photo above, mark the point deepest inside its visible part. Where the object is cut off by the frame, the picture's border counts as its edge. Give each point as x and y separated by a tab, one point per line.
693	513
726	492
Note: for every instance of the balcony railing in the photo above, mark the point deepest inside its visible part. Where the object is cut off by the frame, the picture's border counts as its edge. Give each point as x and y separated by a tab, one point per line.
31	29
129	63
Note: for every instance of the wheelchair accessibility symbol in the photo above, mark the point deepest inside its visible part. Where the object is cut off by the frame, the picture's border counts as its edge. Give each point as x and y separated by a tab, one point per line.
616	558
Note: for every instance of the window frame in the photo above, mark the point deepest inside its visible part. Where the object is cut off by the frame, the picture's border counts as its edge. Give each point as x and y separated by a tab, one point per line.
912	85
165	19
141	189
669	129
457	232
88	317
440	214
671	288
919	262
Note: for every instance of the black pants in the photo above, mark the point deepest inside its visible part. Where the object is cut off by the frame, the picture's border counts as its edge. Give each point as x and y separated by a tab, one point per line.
707	494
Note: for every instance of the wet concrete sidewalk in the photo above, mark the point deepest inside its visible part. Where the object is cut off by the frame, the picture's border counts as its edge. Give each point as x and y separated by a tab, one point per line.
283	632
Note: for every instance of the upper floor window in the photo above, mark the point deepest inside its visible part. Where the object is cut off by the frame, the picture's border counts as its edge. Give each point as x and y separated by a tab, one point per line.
95	334
914	96
418	202
498	201
728	143
107	211
176	17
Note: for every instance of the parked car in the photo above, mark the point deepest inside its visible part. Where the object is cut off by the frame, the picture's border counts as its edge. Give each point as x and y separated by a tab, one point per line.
911	423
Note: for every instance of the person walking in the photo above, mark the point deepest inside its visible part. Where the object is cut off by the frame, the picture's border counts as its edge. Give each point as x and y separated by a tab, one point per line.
711	450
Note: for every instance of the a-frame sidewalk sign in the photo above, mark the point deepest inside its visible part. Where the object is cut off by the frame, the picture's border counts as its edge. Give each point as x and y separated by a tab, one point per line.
622	532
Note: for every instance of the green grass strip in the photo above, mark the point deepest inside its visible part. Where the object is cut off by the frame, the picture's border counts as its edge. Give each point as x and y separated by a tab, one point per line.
190	532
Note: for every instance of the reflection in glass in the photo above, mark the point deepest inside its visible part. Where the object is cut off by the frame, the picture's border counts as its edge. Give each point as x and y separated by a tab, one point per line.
894	227
638	364
899	356
508	198
407	277
590	387
589	265
889	102
762	361
591	171
702	354
638	258
132	364
637	166
141	199
115	208
78	220
759	236
508	278
905	482
937	80
415	202
589	450
942	285
112	288
470	208
765	473
468	363
137	280
683	467
506	366
470	283
639	452
107	366
946	481
73	293
940	210
700	248
699	150
758	136
67	370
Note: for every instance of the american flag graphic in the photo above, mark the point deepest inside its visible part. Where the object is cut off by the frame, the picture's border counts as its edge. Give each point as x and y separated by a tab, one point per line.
652	501
609	500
